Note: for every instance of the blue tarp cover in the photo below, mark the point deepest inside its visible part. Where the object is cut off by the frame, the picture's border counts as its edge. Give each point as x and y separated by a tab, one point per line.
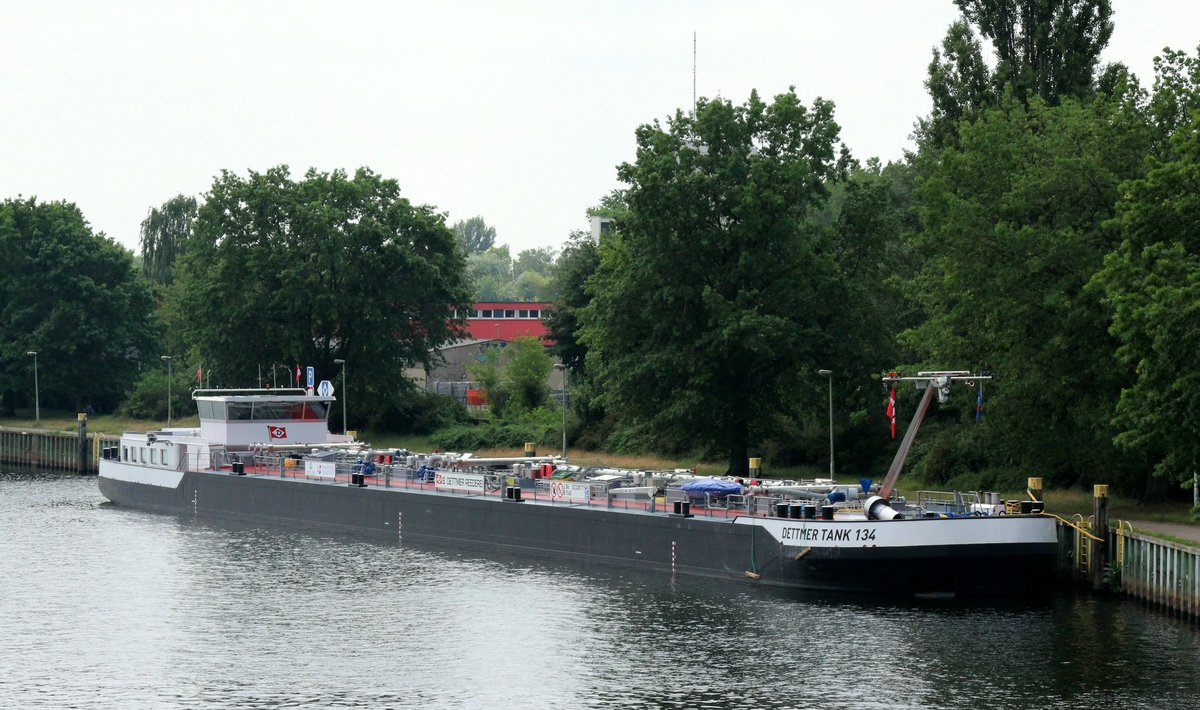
712	486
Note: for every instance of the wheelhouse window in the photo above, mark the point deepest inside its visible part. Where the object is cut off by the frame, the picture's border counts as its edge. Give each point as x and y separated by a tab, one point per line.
210	411
239	411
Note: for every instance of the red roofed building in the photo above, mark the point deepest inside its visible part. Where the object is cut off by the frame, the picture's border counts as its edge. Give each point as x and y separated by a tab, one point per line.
499	320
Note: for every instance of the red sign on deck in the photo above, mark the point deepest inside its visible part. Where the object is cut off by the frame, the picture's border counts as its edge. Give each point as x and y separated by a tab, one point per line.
278	432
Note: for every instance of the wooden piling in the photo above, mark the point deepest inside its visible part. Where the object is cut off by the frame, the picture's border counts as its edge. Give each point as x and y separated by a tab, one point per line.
82	450
1098	559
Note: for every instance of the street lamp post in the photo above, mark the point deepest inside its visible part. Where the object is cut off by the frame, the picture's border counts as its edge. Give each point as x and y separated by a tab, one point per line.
829	374
343	364
37	396
563	367
167	359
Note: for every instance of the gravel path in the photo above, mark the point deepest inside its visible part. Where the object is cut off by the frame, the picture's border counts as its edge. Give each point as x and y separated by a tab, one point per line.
1179	530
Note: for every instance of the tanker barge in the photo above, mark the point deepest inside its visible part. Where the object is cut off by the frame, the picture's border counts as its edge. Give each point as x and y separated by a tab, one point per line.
268	457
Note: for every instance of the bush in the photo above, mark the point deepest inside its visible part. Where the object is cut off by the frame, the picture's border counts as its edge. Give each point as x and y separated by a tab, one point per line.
415	412
148	398
541	426
946	453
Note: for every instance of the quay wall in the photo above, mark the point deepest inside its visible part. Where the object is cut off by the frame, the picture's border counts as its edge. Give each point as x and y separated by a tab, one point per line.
1162	574
55	450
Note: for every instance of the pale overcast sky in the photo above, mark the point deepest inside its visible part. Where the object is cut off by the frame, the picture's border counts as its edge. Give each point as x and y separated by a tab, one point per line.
516	111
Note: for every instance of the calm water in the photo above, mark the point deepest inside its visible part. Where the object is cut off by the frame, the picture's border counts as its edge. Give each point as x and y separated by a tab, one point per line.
102	607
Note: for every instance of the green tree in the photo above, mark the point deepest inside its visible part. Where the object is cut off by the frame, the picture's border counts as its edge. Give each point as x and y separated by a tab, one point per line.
1048	49
164	236
487	374
1176	94
959	84
515	377
533	272
537	261
579	259
1012	233
1044	48
496	276
708	303
75	298
1153	285
491	274
474	235
526	375
307	271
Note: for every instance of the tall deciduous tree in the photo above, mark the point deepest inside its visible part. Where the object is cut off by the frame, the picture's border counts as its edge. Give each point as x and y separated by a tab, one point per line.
959	84
474	235
165	233
330	266
1012	235
579	259
708	304
496	276
490	274
1152	281
75	298
526	374
1045	48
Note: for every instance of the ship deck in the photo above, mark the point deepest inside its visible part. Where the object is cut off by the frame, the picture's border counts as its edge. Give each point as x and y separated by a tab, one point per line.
533	496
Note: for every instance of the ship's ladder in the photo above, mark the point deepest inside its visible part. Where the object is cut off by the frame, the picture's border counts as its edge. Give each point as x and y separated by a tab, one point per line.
1083	542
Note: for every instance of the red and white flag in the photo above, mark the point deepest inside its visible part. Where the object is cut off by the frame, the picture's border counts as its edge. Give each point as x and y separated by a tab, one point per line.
277	432
297	376
891	410
198	368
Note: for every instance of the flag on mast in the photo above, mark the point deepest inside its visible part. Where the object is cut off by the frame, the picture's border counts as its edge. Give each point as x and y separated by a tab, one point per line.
979	404
297	384
891	410
198	369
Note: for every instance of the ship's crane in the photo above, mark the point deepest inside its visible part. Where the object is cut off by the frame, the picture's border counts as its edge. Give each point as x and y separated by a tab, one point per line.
931	382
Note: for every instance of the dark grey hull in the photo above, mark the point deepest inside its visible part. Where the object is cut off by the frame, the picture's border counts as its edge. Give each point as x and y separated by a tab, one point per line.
708	547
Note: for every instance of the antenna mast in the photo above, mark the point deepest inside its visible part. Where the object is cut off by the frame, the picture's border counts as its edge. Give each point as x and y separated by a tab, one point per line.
693	72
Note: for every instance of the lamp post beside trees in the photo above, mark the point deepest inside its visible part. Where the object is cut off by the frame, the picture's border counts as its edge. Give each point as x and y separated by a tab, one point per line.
343	364
829	374
563	367
167	359
37	397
